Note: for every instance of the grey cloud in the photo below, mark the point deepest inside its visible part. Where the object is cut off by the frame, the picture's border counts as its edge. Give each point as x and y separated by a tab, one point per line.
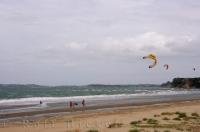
86	41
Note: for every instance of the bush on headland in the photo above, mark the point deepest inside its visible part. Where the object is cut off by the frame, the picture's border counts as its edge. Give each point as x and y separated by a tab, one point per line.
183	83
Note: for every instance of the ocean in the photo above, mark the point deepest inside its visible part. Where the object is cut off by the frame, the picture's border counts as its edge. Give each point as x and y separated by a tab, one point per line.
18	98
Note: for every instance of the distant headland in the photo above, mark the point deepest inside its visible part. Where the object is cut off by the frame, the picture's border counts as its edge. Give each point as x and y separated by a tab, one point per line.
183	83
175	83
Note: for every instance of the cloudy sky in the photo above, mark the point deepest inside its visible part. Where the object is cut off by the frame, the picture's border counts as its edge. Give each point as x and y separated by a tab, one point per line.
67	42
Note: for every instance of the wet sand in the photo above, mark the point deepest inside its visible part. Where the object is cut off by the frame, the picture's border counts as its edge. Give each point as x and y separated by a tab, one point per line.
66	110
99	118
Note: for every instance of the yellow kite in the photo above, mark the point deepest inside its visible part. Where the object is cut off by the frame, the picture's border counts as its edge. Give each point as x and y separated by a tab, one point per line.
153	58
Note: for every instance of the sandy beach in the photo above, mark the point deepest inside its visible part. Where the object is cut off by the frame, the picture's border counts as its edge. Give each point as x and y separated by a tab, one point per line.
147	118
99	66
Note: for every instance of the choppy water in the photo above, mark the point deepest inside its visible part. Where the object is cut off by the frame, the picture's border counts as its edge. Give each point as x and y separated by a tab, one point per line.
12	96
28	91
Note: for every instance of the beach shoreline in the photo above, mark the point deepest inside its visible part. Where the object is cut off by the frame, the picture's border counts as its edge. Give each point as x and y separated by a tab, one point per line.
112	114
38	114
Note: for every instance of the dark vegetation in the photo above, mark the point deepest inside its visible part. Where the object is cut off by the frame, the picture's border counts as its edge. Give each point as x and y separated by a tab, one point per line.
183	83
92	131
115	125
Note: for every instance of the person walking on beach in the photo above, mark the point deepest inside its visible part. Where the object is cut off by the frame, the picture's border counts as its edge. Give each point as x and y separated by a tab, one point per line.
83	104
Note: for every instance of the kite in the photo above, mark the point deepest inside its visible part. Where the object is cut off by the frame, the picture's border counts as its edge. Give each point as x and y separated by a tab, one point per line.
166	66
153	58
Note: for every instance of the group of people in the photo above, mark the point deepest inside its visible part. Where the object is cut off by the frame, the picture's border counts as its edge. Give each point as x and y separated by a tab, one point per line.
73	104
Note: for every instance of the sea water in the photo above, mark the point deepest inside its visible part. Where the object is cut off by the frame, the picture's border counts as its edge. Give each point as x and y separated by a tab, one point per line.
27	97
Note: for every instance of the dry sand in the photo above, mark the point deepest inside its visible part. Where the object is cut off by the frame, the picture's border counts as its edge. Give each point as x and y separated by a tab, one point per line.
101	119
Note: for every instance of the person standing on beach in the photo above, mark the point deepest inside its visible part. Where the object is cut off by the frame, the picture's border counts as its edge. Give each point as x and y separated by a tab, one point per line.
70	104
83	104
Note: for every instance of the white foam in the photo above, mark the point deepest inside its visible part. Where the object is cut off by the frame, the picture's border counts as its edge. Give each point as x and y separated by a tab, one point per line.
36	100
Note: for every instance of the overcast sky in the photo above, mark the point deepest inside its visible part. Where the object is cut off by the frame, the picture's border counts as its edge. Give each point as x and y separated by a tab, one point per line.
67	42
